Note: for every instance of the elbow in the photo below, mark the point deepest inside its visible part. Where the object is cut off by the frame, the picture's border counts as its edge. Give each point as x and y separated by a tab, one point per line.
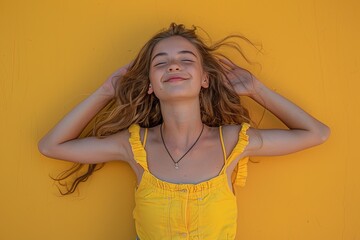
323	134
44	148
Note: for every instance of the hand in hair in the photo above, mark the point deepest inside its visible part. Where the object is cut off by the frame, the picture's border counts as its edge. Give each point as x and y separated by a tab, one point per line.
108	87
242	80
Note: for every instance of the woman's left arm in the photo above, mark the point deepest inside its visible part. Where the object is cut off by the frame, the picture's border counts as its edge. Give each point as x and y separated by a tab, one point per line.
304	130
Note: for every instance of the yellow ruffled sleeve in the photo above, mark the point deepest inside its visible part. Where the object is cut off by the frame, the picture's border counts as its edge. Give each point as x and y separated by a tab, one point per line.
136	146
240	173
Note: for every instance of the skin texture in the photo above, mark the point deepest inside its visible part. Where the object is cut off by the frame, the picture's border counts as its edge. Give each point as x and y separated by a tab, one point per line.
177	77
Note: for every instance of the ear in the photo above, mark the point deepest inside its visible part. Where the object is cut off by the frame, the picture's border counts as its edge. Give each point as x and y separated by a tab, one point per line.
150	90
205	81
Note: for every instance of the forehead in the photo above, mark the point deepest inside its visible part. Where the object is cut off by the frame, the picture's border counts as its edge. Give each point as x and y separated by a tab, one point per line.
173	45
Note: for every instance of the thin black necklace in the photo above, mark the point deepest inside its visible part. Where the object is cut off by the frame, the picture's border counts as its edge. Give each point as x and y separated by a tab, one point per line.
176	163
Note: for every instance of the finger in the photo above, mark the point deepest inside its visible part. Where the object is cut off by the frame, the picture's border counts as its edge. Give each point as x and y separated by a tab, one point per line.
227	62
127	66
227	69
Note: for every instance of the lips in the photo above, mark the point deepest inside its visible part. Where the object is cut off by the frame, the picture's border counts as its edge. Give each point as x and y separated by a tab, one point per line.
175	77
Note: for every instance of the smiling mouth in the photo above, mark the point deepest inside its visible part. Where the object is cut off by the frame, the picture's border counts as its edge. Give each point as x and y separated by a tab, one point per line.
176	78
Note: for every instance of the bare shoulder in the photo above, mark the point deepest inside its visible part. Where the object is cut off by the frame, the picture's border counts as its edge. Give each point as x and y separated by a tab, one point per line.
231	132
231	137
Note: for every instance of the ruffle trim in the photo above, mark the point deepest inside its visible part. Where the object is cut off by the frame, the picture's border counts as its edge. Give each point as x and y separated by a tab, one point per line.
240	172
241	169
137	147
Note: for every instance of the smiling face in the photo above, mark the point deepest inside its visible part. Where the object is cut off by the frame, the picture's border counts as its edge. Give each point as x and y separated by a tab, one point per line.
176	69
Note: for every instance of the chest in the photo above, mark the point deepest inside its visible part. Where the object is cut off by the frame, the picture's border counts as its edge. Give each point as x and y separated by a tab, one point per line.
203	162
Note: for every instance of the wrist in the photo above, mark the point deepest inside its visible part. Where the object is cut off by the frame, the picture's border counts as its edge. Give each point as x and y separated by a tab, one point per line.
257	90
103	95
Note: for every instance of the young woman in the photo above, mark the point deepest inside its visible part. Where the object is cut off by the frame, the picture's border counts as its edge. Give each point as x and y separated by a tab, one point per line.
176	118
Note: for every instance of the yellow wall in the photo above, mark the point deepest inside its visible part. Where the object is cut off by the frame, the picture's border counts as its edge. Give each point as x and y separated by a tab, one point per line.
54	53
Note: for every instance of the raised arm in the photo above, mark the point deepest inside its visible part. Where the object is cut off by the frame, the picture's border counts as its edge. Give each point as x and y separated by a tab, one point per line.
62	141
303	131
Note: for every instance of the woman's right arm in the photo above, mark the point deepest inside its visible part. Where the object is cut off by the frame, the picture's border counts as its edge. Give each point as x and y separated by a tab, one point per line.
62	141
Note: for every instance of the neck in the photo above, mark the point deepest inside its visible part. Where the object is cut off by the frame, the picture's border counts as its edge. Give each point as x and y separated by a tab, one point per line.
182	122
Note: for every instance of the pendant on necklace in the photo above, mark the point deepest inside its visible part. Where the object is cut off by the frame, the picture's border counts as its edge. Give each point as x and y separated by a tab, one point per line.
176	166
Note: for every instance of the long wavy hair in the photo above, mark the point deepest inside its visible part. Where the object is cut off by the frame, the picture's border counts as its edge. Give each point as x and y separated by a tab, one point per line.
219	103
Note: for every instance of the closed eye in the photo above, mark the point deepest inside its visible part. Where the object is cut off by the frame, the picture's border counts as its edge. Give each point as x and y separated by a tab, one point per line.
187	60
159	64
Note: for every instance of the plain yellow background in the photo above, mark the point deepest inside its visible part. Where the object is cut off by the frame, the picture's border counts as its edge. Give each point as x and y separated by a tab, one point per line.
55	53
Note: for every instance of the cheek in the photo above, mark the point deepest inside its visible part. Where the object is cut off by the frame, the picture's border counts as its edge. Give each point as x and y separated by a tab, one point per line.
154	74
155	80
201	74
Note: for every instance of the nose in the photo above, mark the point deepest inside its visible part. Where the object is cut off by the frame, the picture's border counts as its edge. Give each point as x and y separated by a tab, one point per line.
174	66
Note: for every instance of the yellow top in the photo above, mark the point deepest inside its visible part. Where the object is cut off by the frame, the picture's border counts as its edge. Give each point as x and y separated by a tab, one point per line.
206	210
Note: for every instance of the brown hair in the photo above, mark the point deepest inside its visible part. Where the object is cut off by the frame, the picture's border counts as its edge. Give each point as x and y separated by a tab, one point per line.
219	104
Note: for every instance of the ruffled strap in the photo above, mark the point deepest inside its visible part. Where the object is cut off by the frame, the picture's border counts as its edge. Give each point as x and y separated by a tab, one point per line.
240	172
137	147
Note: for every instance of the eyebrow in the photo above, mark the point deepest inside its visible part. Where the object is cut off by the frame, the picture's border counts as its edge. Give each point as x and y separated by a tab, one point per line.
181	52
